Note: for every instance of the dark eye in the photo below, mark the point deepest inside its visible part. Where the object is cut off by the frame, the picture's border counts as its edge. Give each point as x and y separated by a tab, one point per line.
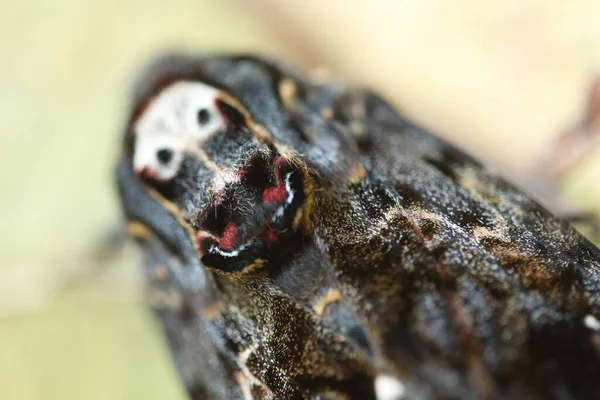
164	156
203	116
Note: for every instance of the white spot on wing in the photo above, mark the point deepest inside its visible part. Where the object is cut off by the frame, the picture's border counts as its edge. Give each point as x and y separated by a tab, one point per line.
388	388
592	322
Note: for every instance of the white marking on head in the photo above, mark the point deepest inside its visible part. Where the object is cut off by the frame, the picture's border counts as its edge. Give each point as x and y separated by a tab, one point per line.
222	179
281	209
179	117
388	388
592	322
233	253
288	188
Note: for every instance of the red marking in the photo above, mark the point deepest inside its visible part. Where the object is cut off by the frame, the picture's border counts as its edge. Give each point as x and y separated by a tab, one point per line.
146	172
269	235
140	171
229	236
276	194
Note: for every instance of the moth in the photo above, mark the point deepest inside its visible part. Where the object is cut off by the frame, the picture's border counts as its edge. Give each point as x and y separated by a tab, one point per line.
304	240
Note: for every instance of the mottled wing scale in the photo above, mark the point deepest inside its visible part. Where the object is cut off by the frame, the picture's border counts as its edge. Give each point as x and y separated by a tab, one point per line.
313	243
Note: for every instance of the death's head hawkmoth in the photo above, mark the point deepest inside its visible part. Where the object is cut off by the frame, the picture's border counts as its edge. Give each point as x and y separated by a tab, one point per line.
305	240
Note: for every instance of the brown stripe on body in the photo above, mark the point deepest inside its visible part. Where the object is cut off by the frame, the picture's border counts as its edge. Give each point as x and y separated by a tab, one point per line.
472	351
205	158
252	270
258	130
173	209
471	347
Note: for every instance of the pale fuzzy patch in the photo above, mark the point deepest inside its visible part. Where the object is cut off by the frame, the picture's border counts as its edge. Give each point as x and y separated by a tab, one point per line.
224	178
468	179
388	388
481	232
592	322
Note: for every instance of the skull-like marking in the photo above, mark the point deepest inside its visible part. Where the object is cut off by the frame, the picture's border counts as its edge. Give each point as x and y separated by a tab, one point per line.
177	119
184	119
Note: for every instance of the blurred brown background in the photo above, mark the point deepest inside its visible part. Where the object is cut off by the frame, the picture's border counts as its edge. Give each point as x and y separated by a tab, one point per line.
500	78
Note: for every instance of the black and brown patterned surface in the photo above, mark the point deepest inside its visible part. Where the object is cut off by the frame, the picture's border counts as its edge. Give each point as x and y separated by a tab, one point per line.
405	258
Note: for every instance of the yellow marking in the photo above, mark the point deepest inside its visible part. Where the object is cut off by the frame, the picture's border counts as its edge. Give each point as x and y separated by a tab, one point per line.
298	218
259	131
212	311
161	272
357	174
248	271
481	232
357	128
307	207
508	249
174	210
139	230
331	296
288	92
327	113
242	381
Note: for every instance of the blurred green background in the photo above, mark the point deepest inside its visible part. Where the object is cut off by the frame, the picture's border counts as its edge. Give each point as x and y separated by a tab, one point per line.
500	78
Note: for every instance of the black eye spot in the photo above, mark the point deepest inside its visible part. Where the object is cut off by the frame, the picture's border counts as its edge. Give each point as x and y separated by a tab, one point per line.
203	116
164	156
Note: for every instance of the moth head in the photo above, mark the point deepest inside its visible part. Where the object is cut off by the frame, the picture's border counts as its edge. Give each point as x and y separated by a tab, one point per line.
238	146
178	118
